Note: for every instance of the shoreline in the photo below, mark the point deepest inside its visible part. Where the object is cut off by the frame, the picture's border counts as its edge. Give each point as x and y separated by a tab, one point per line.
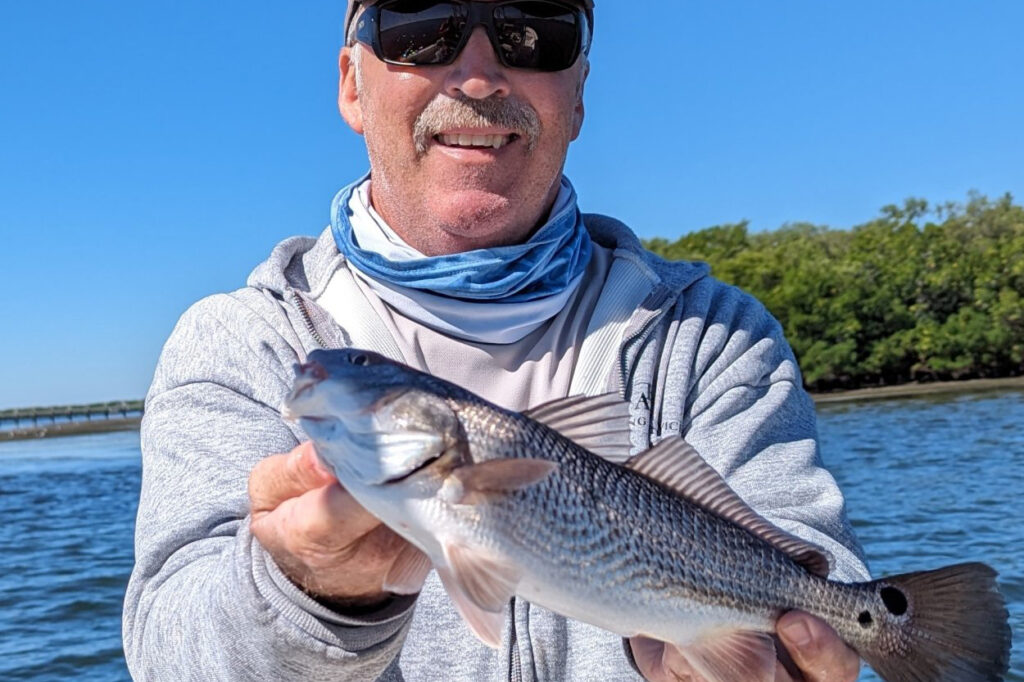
915	390
855	395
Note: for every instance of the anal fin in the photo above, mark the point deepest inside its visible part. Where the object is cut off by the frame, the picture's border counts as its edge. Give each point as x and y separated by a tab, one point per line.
733	655
724	656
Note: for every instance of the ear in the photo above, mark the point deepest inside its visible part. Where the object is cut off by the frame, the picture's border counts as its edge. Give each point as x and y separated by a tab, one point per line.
579	110
348	94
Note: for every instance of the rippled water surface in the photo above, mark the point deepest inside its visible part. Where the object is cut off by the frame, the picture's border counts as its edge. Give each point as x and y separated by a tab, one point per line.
929	482
68	509
936	481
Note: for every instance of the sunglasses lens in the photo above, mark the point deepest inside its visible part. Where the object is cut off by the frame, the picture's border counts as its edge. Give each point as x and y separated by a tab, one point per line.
421	32
537	35
530	34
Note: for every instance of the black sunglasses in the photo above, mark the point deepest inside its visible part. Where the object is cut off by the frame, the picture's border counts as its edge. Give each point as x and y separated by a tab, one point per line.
542	35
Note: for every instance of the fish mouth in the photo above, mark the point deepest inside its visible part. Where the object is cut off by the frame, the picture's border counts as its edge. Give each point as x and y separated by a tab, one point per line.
309	376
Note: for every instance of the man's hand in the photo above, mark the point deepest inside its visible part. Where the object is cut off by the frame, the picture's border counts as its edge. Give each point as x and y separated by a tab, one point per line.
318	535
815	649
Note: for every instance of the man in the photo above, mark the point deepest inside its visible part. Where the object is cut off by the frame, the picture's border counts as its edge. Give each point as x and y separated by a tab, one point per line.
462	253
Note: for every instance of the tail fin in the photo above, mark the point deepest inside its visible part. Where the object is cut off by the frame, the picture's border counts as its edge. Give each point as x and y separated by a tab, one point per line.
947	624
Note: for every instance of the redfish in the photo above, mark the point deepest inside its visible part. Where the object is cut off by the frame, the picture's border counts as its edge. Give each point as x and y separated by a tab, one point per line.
548	505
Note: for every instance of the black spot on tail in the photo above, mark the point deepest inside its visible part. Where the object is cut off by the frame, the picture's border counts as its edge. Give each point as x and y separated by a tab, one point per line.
894	600
958	628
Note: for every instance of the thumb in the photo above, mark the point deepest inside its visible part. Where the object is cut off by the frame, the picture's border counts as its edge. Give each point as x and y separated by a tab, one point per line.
281	477
816	649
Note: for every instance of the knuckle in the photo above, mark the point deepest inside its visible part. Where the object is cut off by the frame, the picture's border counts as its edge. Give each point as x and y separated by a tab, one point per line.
256	477
315	537
262	534
317	556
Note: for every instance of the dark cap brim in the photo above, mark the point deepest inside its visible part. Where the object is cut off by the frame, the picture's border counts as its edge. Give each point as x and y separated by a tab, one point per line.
353	5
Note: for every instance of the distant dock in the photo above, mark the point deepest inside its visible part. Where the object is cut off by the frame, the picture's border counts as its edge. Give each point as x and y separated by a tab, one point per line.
68	420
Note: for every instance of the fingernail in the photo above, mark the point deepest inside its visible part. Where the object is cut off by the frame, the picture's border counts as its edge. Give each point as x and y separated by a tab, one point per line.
798	633
306	455
321	468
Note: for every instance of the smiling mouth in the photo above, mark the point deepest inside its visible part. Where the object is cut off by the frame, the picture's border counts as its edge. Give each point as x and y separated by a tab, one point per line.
465	141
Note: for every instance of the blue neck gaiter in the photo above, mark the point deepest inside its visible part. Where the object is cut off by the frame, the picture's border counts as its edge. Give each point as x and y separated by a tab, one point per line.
549	263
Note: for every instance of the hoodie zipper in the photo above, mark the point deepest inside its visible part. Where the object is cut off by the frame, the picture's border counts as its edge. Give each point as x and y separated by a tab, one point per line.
642	333
515	665
308	320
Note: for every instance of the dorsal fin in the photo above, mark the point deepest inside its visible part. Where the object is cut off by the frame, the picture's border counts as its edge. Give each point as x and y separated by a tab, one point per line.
675	464
598	423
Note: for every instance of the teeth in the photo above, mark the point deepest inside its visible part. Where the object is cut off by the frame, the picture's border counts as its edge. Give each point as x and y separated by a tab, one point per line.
463	140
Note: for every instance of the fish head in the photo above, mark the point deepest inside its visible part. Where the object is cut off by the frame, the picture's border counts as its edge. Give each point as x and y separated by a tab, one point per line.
373	420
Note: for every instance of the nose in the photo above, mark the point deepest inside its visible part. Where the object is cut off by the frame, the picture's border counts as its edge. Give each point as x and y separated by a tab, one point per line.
477	73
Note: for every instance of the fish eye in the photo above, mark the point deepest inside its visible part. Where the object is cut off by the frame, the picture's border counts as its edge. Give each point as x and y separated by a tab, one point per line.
360	359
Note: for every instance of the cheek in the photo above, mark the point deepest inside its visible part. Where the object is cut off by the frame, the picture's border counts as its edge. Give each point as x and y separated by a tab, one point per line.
390	113
384	120
557	105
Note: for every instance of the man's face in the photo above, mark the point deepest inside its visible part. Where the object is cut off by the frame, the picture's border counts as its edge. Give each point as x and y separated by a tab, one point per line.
441	196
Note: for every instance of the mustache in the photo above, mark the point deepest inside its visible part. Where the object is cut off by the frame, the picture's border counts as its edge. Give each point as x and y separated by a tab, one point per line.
444	113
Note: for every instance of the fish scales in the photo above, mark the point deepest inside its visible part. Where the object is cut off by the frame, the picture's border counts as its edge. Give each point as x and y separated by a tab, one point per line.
502	504
627	534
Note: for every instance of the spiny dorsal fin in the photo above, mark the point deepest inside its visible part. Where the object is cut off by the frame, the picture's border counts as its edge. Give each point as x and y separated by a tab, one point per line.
598	423
675	464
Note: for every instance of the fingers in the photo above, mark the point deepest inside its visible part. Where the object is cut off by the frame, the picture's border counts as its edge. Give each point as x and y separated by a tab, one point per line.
817	650
282	477
327	519
320	537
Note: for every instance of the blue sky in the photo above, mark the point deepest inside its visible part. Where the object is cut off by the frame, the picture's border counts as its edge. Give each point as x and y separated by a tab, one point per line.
152	153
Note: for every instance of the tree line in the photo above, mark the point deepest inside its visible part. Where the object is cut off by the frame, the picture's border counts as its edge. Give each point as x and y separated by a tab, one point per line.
920	293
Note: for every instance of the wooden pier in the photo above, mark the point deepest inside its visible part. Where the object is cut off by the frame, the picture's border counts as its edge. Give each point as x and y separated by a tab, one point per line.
66	420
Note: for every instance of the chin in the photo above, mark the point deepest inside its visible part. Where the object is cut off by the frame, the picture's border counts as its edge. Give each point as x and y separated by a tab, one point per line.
483	220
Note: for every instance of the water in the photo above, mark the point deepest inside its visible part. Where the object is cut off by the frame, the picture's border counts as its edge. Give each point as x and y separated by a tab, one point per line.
933	481
929	482
68	509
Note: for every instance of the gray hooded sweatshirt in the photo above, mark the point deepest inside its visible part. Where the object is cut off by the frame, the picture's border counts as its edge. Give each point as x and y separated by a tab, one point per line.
698	358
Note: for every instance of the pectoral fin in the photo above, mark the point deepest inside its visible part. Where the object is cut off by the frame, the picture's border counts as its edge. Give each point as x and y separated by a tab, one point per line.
499	477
